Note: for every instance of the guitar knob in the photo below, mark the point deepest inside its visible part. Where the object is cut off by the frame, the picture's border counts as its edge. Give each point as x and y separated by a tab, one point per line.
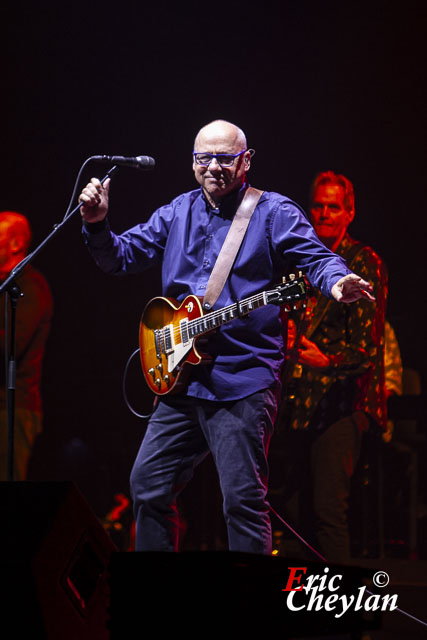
167	380
158	383
152	372
159	367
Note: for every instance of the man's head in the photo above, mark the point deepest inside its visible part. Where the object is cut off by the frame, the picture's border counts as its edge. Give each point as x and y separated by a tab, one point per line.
331	207
220	138
15	238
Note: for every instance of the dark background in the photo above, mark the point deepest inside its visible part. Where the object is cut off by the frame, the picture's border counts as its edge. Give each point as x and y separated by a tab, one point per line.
315	86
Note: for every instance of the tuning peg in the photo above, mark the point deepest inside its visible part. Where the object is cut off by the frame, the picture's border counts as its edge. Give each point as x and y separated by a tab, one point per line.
292	276
299	274
283	279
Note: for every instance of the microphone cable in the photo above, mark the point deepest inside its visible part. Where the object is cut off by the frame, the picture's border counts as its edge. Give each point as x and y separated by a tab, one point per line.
125	396
77	182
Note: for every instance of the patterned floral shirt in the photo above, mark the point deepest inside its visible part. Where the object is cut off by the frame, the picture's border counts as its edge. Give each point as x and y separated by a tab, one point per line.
352	335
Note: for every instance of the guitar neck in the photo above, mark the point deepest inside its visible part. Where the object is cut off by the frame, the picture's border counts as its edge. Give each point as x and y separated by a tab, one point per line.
216	319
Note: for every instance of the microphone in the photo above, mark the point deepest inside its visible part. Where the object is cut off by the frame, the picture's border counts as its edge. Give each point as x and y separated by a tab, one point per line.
144	163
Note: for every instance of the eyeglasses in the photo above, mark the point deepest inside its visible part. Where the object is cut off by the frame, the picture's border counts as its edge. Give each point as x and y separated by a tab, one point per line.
223	159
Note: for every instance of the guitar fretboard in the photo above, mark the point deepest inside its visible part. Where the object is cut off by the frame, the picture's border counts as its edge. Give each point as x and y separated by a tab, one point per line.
217	318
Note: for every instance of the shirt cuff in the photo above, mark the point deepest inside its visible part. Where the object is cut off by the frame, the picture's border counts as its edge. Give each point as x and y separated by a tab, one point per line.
95	227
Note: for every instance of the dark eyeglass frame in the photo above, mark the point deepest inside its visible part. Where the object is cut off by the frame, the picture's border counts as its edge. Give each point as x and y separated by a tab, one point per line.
230	156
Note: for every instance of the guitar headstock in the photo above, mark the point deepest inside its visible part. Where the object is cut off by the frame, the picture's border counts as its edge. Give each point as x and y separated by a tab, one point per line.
291	292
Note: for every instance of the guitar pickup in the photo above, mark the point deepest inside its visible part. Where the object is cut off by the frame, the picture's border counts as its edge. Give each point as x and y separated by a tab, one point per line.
185	338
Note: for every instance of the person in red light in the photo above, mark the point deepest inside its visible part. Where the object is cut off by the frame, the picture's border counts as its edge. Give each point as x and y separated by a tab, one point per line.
335	382
33	318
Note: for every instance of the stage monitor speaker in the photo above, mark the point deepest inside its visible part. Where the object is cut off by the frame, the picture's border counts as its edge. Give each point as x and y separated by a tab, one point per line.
208	594
54	555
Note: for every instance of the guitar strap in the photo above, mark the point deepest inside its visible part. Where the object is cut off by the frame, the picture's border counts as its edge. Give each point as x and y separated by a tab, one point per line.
231	245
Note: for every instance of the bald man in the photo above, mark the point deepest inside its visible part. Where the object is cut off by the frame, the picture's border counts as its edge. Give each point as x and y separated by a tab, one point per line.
228	407
33	319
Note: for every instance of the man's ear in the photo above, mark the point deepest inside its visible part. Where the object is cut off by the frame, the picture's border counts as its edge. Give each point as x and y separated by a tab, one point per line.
16	244
350	215
247	158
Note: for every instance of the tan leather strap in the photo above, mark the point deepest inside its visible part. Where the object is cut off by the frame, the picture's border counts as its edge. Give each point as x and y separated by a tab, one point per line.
231	245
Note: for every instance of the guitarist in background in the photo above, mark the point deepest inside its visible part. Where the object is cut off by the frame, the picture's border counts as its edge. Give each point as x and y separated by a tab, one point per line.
229	407
335	383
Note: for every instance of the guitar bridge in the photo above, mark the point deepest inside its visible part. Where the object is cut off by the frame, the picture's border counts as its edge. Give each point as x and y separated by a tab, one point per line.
157	339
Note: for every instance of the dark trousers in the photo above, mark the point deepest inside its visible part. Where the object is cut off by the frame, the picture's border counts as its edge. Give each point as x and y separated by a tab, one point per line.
312	474
180	433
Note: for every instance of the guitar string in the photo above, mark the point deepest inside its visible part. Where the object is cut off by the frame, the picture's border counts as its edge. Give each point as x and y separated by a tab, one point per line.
177	331
259	297
217	314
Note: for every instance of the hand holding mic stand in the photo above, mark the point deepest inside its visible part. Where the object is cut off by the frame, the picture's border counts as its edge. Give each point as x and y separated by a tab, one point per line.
13	292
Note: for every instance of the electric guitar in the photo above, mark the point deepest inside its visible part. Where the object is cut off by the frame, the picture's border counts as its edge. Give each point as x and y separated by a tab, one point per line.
168	331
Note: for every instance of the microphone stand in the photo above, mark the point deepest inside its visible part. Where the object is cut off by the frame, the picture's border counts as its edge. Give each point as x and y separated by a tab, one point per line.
14	293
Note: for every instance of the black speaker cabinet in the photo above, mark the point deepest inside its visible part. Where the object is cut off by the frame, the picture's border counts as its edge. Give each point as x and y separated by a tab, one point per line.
221	594
54	555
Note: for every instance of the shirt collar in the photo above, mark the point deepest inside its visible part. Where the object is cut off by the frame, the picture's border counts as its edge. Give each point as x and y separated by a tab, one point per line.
229	204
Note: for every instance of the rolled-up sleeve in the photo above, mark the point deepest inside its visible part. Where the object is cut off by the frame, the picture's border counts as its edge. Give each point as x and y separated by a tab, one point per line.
133	251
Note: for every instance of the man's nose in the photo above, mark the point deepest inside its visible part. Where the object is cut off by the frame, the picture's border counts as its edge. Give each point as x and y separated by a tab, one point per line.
214	165
324	211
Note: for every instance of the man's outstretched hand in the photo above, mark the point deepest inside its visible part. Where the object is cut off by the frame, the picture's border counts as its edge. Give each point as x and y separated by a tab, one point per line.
351	288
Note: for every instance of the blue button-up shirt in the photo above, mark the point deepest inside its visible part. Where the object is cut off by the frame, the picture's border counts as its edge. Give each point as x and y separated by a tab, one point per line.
185	237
